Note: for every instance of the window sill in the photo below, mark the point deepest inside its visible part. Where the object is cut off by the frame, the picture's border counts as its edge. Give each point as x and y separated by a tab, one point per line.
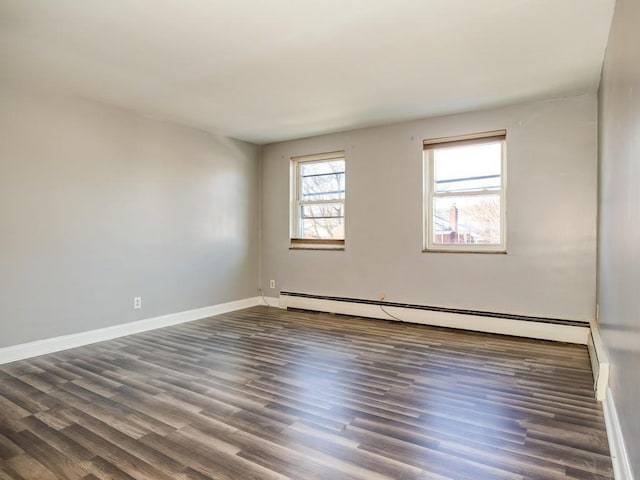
316	244
316	247
484	252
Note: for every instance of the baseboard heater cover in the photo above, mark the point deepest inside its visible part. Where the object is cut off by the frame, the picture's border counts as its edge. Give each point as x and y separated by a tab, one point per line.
563	330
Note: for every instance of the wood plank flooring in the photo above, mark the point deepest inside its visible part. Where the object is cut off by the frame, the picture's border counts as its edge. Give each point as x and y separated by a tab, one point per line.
265	393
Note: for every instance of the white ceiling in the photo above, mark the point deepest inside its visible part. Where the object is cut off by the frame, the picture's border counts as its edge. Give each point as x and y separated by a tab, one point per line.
270	70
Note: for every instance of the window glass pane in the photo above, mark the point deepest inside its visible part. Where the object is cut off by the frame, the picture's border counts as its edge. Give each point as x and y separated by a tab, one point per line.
322	180
468	168
466	220
322	221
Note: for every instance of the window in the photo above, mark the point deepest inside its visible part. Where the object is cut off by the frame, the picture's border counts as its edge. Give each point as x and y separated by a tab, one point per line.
317	206
464	193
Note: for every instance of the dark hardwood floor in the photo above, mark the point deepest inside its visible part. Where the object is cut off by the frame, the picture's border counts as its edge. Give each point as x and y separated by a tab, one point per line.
265	393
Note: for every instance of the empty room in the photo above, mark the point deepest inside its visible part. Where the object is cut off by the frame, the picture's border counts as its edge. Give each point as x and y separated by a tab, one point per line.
320	239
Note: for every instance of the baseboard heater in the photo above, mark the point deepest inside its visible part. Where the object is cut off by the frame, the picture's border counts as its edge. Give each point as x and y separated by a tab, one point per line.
599	362
562	330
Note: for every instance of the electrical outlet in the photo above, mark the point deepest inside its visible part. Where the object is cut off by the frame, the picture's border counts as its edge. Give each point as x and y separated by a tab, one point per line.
272	284
382	296
137	303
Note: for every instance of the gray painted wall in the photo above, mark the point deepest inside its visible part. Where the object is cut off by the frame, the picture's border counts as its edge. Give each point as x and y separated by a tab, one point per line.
619	214
551	207
98	205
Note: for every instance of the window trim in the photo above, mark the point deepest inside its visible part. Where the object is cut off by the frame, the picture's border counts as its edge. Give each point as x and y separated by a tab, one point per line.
429	146
296	242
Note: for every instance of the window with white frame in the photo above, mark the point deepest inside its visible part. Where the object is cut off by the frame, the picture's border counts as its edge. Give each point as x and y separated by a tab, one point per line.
465	193
317	200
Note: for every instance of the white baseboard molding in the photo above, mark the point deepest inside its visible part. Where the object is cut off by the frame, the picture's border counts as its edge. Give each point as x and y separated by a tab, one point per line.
619	456
520	328
56	344
599	363
272	301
